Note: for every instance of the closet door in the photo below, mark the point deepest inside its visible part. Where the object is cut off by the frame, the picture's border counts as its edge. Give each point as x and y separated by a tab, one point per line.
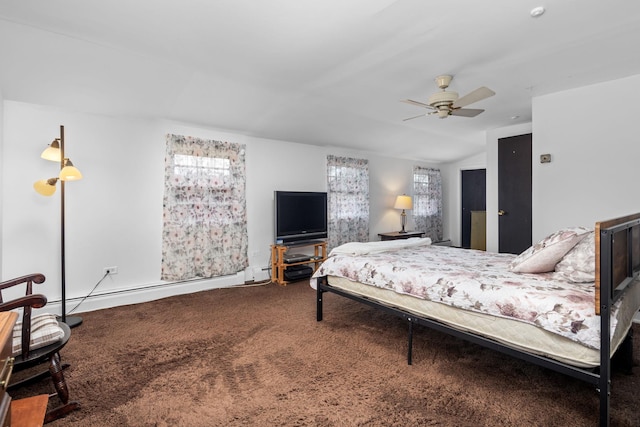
514	193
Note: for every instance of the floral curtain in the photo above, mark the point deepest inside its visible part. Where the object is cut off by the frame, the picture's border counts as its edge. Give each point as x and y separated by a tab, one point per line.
348	200
427	201
204	217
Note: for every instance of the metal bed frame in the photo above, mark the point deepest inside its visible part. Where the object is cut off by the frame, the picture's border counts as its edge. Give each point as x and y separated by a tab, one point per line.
617	267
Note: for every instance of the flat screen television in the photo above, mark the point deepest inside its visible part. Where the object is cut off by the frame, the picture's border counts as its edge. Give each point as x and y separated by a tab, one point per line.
300	216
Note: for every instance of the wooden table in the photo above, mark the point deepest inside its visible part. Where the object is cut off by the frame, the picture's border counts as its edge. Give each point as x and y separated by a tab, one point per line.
30	411
395	235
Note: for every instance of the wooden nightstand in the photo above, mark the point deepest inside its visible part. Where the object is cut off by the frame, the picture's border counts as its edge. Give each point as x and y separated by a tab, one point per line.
395	235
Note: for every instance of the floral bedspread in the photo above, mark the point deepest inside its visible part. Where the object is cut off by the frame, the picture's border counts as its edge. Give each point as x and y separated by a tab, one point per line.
478	281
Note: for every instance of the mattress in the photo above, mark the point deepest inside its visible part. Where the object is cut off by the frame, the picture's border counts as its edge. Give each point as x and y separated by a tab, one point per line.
516	334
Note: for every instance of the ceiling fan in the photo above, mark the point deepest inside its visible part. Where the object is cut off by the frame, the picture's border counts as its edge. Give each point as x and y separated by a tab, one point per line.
446	103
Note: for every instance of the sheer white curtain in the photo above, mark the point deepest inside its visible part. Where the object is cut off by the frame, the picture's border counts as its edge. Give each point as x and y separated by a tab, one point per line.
204	218
427	201
348	200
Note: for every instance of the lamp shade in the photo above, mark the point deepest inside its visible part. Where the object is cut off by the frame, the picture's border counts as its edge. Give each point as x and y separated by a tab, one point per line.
52	152
69	172
45	187
403	202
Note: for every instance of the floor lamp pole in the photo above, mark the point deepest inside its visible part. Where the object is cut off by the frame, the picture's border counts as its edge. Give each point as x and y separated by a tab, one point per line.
63	276
72	321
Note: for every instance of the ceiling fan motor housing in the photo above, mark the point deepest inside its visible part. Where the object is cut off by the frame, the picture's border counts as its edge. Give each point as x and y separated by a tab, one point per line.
443	99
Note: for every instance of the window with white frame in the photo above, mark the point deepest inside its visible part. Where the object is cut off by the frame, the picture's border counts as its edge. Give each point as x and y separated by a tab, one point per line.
427	202
204	220
347	200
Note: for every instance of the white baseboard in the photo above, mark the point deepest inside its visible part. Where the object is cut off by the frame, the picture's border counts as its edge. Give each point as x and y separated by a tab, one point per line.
145	293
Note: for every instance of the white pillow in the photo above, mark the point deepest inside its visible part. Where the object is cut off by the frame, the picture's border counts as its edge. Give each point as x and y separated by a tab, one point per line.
544	255
579	264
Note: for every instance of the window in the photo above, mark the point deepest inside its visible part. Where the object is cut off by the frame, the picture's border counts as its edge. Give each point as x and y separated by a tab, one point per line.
427	202
205	226
209	167
348	200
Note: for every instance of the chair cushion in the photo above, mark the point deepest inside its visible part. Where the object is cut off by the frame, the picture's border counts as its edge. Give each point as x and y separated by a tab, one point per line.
44	331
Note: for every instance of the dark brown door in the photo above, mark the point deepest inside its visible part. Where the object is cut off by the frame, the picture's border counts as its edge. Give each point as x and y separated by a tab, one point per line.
514	193
474	198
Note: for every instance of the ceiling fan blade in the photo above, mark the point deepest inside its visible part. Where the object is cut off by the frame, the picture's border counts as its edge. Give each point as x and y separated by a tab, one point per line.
416	103
415	117
466	112
475	96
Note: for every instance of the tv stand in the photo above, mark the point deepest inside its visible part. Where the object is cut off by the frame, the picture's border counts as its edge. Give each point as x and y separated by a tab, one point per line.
279	265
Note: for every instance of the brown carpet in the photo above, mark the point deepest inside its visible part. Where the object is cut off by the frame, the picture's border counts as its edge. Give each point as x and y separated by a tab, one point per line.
256	356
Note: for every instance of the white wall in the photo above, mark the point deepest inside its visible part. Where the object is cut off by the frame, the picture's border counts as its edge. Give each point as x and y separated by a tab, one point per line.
592	136
114	215
389	178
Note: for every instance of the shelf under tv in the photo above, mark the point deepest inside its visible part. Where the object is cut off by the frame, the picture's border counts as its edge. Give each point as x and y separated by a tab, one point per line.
279	261
302	243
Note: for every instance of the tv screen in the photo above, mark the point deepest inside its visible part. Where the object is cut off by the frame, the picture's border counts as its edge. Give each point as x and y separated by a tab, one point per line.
300	216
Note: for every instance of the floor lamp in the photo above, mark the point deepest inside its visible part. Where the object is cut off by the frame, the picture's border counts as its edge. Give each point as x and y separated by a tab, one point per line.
47	187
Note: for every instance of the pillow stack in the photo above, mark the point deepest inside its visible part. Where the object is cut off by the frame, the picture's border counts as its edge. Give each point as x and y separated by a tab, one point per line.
550	251
579	264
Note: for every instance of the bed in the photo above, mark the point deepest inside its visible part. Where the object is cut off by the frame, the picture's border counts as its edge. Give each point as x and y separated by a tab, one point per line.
546	306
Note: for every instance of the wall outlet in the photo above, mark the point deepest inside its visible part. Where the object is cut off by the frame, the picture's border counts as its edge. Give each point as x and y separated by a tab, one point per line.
111	270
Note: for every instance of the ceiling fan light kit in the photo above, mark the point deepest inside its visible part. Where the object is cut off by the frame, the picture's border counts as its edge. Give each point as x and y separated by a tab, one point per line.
447	103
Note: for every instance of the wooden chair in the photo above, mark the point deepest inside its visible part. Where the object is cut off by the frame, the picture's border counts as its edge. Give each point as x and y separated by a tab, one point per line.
38	339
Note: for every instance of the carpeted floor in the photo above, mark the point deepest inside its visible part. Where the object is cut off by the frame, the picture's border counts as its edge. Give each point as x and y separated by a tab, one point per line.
256	356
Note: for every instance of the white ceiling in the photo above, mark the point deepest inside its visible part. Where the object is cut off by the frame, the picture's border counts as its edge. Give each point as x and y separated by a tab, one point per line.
328	72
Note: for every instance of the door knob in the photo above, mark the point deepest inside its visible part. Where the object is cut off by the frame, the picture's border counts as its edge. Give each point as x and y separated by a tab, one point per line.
501	212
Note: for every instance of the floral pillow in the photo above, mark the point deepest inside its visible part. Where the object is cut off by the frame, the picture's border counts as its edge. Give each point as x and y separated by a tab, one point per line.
544	255
579	264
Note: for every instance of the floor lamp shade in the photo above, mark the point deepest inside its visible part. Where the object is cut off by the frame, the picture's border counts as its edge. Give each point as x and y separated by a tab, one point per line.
403	202
69	172
52	152
47	187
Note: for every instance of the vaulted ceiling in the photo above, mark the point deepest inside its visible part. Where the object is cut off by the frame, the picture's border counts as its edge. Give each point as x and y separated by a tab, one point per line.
328	72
